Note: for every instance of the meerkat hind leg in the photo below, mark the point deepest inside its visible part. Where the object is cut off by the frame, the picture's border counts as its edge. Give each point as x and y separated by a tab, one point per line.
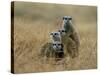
72	48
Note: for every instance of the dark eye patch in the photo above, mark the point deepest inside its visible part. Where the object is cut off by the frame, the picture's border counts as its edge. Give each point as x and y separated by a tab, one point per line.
65	18
63	31
55	34
59	44
70	18
54	44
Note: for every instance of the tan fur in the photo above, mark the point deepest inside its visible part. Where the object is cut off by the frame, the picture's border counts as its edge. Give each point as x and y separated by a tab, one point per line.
70	48
71	38
47	50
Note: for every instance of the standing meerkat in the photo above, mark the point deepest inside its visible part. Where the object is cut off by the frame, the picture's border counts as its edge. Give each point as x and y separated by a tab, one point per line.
70	37
70	47
70	29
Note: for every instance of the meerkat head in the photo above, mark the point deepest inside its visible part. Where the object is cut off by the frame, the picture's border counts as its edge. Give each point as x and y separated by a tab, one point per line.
57	46
67	19
55	36
62	32
67	22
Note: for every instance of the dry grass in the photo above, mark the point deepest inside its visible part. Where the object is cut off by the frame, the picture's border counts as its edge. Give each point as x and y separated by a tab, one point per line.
30	35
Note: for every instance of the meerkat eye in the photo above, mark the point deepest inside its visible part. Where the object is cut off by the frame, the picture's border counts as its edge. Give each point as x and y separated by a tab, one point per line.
70	18
65	18
59	44
54	44
62	30
51	33
55	34
65	31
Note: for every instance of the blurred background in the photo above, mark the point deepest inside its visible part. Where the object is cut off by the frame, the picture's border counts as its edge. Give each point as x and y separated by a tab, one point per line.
51	12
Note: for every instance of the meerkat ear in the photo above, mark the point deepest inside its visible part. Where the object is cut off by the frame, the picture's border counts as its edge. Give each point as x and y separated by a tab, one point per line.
62	45
63	18
51	33
65	31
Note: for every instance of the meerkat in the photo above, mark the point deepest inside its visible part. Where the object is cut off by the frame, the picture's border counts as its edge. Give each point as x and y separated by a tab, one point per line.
69	45
52	50
70	37
59	51
70	29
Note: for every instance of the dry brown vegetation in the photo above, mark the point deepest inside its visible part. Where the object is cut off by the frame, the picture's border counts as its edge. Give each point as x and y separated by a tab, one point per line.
34	22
